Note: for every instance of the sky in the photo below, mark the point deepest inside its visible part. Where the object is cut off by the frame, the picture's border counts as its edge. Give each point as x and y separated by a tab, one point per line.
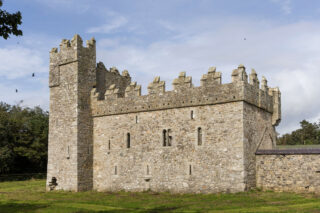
280	39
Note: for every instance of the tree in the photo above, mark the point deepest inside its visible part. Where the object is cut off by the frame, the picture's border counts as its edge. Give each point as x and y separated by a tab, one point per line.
9	23
309	133
23	139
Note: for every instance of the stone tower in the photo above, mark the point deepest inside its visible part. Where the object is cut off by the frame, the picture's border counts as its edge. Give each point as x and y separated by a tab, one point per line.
72	76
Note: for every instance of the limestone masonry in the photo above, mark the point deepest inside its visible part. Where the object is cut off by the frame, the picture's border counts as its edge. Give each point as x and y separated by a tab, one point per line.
105	136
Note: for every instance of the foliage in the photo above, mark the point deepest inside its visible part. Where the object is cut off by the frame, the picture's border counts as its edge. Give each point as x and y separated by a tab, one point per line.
30	196
309	133
23	139
9	23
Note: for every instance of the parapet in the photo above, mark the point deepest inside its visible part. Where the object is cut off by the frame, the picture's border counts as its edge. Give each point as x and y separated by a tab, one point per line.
182	82
70	51
106	78
156	87
184	94
212	78
133	90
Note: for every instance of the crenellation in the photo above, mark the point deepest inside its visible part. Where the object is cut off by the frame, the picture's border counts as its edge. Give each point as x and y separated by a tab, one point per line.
182	82
65	43
239	74
125	73
133	90
91	43
112	92
114	70
253	79
276	115
76	41
157	87
54	50
190	96
264	84
212	78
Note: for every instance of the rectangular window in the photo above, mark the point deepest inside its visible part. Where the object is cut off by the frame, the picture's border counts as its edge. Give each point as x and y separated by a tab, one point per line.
166	137
128	140
109	145
199	136
148	171
68	154
137	120
190	169
115	170
169	137
192	114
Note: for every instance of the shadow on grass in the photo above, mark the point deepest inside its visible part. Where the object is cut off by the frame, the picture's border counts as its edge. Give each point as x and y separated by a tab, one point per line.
20	207
160	209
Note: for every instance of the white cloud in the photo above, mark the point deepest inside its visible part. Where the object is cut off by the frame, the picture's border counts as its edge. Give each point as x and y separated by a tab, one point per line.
287	55
286	5
20	62
111	26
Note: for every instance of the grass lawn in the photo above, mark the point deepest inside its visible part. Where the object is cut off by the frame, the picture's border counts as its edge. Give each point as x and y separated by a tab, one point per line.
30	196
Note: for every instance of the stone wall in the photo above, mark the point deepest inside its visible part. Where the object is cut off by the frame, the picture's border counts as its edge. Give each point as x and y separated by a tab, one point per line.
216	165
287	170
258	134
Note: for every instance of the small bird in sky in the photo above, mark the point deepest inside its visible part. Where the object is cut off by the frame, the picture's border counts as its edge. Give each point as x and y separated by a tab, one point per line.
16	90
33	74
244	39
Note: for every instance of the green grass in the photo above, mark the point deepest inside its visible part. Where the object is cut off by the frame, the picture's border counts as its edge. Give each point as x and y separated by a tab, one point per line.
30	196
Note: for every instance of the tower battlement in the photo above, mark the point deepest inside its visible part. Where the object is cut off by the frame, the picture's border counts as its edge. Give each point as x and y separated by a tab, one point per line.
184	94
70	52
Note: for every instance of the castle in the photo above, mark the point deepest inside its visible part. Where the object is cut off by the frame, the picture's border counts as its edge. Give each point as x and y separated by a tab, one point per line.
105	136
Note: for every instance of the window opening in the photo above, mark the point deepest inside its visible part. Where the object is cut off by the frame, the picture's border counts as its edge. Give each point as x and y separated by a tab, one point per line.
109	145
169	137
190	169
115	170
128	140
148	172
68	154
199	136
192	114
164	136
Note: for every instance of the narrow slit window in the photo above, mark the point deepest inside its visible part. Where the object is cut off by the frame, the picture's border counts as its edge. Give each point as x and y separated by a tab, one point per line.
191	114
199	136
148	171
128	140
115	170
164	137
137	120
169	137
190	169
109	145
68	154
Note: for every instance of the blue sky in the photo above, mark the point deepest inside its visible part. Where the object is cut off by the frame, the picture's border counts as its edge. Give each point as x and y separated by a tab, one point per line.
164	37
